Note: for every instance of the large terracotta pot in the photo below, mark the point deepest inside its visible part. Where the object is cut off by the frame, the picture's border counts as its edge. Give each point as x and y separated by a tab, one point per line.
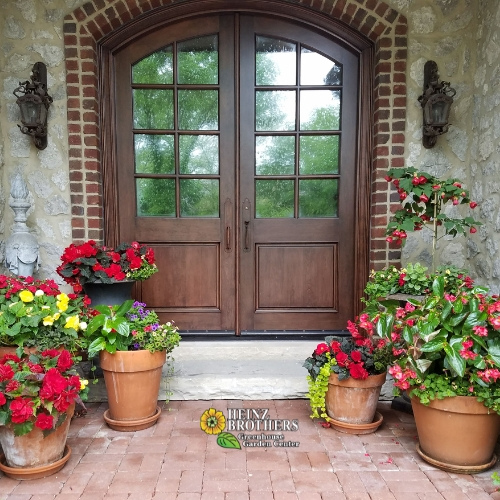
32	455
457	434
109	294
132	382
353	401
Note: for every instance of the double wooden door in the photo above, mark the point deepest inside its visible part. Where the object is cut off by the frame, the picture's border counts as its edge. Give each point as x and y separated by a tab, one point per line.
236	141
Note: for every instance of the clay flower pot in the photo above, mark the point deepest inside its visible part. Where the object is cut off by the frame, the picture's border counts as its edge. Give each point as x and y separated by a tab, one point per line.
352	403
32	455
457	434
132	382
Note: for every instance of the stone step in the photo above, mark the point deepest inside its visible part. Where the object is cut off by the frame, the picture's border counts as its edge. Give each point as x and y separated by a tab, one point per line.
235	369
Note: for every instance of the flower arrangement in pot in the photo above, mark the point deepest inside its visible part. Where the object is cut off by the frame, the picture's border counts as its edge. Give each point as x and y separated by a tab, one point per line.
346	375
38	393
36	314
93	263
132	345
447	351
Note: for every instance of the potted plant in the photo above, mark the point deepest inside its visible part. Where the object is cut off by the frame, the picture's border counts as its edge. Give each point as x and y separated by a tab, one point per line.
447	351
345	377
423	197
36	314
132	345
101	270
37	400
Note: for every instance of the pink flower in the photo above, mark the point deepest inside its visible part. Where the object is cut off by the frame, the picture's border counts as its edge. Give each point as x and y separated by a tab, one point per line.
482	331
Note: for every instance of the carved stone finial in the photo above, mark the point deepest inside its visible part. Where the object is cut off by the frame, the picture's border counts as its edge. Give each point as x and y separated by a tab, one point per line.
22	255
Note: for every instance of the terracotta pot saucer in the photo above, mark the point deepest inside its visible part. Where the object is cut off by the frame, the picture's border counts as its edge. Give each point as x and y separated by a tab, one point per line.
132	425
459	469
357	428
24	473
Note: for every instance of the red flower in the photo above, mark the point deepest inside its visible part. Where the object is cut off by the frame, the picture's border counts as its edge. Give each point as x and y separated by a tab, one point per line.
320	349
53	384
64	362
6	372
473	204
12	386
473	230
34	368
44	421
22	410
335	345
342	359
3	399
150	256
356	356
357	371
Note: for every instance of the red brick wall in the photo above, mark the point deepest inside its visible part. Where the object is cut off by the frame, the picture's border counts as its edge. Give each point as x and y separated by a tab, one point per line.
86	25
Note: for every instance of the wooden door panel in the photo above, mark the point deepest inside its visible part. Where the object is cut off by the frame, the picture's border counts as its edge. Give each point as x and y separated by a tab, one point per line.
303	277
196	289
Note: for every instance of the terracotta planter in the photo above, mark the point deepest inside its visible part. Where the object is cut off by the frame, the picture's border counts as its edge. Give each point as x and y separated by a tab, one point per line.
34	453
132	382
457	434
354	401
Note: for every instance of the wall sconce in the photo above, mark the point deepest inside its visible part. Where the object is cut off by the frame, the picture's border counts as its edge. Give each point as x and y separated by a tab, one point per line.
436	103
34	102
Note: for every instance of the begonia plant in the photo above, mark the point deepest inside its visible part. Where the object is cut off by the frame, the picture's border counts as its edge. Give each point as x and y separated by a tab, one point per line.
446	345
36	390
359	355
90	262
423	197
35	313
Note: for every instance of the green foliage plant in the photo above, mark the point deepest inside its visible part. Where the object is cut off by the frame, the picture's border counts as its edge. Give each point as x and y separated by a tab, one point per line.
128	327
414	279
36	313
446	345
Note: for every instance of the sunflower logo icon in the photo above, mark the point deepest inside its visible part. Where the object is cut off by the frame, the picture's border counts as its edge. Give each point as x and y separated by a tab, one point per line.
213	422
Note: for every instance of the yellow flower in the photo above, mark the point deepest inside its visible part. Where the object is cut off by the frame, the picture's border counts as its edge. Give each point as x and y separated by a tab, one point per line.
48	320
83	384
56	316
212	421
62	302
26	296
72	322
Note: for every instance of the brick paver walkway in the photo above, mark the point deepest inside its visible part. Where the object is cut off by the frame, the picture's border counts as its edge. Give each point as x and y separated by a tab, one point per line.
175	459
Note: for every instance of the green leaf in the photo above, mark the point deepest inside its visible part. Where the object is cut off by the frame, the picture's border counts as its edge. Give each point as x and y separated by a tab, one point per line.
494	350
455	361
227	440
438	286
434	345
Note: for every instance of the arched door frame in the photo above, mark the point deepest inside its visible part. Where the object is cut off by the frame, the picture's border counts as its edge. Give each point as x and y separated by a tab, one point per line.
97	34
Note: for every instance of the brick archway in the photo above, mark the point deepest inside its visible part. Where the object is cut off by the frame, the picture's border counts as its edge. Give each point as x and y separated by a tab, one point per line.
97	19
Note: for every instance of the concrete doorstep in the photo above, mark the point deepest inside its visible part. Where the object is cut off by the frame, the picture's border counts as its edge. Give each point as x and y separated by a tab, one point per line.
242	369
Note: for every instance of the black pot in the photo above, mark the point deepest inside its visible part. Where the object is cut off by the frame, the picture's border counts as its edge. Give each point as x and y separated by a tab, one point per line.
109	294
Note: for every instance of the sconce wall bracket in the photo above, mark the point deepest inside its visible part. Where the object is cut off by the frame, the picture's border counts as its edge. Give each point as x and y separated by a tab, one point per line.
436	103
34	101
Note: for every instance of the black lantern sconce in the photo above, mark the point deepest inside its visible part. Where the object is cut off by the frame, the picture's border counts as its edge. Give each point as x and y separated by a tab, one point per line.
34	102
436	103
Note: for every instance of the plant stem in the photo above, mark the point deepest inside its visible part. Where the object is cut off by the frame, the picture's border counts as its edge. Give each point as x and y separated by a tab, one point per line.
434	235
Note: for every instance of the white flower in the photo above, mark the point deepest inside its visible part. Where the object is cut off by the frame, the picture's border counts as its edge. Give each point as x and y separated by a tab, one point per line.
39	293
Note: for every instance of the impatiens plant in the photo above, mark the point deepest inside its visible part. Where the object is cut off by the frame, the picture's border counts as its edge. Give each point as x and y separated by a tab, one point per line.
446	345
90	262
423	197
36	390
358	356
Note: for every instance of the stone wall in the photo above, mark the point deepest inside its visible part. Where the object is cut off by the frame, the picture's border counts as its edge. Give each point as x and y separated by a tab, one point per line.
460	35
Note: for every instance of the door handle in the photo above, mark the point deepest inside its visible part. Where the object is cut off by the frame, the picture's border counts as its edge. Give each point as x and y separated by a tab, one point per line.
247	214
228	218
